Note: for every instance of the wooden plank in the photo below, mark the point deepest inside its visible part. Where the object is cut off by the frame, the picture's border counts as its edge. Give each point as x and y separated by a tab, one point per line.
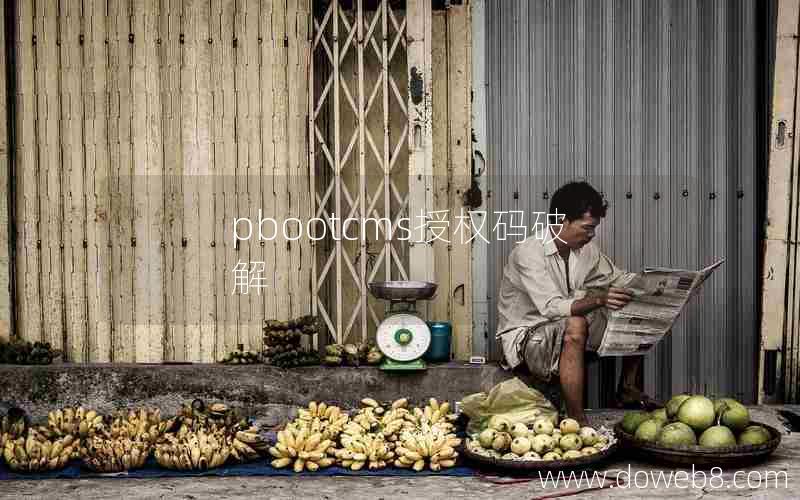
440	305
302	195
5	193
175	342
73	200
268	48
48	82
782	150
294	132
28	128
459	115
96	182
280	131
420	166
191	234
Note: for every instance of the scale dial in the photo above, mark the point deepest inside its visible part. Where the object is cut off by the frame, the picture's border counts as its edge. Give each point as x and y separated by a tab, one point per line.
403	337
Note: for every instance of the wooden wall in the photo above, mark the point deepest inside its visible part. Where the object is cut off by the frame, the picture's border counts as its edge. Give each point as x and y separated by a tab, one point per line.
143	129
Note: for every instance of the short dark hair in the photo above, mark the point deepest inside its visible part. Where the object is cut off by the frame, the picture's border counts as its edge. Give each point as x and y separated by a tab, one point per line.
575	199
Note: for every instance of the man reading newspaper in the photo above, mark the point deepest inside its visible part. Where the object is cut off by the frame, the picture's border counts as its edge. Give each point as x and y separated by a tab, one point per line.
557	287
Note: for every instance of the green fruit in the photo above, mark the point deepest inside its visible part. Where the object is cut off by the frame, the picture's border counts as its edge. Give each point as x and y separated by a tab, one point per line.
735	416
754	435
521	445
660	414
551	455
718	403
570	442
649	430
589	450
519	430
542	443
543	425
487	437
674	404
572	454
717	436
632	420
499	423
677	434
588	436
697	412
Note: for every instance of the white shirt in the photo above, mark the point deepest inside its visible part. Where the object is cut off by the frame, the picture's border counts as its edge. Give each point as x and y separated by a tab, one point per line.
534	289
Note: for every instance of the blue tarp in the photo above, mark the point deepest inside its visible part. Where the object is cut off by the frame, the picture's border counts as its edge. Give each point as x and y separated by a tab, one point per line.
259	468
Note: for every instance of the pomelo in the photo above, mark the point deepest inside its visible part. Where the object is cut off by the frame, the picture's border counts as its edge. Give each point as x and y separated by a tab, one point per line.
734	415
649	430
677	434
675	403
754	435
717	436
660	414
697	412
632	420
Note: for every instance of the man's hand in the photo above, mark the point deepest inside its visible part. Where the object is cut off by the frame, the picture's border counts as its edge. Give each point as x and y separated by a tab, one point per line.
616	298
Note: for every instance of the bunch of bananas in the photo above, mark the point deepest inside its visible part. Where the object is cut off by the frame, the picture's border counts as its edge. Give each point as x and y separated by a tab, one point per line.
38	453
215	417
12	426
389	420
302	450
432	447
194	450
247	445
323	418
371	449
143	424
434	414
115	455
76	422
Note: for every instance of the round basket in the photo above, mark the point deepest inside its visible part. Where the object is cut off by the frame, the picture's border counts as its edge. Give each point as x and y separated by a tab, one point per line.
725	457
534	465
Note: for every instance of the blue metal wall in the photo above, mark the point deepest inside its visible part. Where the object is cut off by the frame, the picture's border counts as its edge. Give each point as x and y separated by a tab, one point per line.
656	104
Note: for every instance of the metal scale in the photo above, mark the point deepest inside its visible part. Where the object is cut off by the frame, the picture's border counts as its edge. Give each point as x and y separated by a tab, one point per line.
403	337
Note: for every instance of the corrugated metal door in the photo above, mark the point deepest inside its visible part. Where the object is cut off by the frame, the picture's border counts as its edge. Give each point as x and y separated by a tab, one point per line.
655	104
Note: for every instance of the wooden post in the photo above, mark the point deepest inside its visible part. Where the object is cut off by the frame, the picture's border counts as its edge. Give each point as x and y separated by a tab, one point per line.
420	139
782	165
5	261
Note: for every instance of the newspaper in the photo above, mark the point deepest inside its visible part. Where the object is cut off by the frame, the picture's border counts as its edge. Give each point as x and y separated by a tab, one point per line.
659	296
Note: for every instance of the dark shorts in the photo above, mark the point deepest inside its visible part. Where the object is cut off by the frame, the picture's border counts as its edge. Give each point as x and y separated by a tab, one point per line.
541	347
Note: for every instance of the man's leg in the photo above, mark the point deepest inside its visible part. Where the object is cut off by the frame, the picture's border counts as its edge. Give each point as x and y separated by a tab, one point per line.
571	368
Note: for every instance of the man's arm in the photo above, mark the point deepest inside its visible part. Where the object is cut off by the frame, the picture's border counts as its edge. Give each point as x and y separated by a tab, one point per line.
613	298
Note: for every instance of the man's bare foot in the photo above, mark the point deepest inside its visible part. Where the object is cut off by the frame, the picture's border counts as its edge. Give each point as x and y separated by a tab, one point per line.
635	399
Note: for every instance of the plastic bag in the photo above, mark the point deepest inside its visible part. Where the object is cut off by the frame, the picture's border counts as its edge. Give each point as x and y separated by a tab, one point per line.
512	399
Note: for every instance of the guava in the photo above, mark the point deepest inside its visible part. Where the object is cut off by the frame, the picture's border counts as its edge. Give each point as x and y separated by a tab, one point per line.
697	412
569	426
487	437
551	455
588	436
649	430
520	445
501	441
542	443
510	456
519	430
572	454
717	436
677	434
531	455
570	442
543	425
499	423
589	450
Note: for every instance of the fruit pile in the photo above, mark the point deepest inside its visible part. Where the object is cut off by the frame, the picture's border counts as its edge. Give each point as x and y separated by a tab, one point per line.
352	354
543	440
198	438
241	357
689	420
282	342
18	352
376	436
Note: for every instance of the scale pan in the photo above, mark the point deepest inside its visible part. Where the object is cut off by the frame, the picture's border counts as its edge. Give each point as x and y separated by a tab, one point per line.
403	290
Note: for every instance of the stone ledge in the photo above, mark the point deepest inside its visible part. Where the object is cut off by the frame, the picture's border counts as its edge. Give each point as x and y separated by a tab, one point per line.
268	393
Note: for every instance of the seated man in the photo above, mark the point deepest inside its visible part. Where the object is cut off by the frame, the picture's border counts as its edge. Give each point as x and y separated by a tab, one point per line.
553	298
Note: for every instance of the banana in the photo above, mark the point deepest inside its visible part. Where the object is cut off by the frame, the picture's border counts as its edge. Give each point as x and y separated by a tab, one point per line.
370	402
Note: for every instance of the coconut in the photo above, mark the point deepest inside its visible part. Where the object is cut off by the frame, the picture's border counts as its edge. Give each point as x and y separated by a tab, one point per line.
674	404
754	435
677	434
717	436
660	414
649	430
632	420
570	442
697	412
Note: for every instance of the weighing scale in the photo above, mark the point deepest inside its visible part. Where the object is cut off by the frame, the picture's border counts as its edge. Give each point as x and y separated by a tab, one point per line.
403	337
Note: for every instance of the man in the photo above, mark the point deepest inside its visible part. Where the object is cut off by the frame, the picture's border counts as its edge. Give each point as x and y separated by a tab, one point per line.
556	288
